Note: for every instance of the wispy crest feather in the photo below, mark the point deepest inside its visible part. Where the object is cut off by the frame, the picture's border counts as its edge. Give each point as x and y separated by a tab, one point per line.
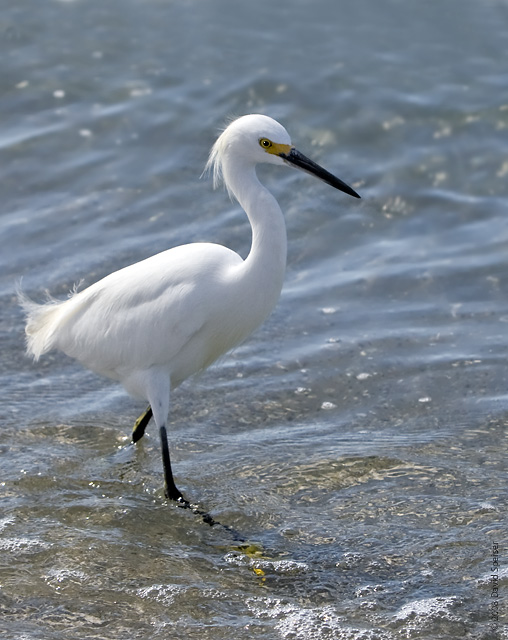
214	162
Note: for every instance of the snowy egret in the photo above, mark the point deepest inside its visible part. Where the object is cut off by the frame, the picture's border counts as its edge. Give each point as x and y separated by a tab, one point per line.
153	324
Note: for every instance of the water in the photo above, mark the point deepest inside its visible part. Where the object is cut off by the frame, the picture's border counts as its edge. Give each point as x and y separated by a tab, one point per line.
358	439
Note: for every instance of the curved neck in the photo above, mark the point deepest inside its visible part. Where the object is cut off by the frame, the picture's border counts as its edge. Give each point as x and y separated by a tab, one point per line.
267	257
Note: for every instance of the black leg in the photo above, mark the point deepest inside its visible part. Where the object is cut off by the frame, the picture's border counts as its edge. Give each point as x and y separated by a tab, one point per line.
170	489
140	425
172	492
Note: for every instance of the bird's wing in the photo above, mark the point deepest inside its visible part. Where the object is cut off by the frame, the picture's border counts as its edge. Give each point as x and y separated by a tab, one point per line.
145	314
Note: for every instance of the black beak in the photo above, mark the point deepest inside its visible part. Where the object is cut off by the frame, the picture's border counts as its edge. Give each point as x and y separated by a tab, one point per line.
297	159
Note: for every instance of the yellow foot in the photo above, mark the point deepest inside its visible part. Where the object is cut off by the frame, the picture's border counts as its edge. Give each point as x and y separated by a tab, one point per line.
138	431
252	551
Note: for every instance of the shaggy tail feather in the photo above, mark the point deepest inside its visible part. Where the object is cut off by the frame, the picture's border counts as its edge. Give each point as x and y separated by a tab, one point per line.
41	323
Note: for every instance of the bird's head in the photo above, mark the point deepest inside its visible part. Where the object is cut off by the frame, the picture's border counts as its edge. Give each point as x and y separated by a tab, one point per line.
257	139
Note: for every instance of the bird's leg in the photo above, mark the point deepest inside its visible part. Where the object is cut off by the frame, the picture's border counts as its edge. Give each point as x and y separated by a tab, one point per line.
138	431
171	491
157	388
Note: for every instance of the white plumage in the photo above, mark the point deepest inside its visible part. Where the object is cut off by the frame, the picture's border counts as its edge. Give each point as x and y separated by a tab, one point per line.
153	324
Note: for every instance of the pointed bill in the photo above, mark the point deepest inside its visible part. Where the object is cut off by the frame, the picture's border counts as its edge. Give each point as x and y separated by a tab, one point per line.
297	159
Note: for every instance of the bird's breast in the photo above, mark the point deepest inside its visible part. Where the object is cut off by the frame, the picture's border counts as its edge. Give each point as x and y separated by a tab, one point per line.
231	307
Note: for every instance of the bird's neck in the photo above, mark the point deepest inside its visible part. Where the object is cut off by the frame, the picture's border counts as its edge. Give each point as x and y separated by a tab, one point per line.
266	262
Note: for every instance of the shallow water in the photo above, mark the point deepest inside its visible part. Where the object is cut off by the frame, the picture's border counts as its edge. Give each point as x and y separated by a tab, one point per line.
357	440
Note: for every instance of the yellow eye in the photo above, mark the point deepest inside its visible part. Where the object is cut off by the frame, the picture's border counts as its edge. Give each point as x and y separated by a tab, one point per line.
265	143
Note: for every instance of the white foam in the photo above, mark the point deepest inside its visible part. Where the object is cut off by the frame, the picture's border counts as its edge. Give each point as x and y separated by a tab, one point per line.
418	613
316	623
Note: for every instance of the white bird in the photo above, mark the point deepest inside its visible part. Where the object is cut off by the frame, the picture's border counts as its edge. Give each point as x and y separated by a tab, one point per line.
153	324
